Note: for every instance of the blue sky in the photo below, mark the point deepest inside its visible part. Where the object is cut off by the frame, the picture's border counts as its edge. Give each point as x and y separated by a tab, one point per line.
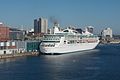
81	13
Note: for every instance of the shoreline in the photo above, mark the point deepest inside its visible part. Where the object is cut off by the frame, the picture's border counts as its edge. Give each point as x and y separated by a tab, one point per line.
4	56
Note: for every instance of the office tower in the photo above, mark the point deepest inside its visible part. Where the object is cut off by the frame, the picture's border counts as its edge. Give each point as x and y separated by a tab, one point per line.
35	26
41	25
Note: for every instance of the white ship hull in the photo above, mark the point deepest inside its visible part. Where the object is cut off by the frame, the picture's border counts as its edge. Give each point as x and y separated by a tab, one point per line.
68	48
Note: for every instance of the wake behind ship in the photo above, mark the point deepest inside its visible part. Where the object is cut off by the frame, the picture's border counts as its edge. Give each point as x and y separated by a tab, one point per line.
67	40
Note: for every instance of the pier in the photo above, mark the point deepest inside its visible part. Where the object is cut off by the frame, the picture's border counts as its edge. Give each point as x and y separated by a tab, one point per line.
19	55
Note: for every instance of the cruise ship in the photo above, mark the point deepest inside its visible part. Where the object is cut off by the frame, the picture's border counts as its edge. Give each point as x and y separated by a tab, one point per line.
67	41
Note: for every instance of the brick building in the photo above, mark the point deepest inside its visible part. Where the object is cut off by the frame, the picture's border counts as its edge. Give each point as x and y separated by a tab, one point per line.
4	32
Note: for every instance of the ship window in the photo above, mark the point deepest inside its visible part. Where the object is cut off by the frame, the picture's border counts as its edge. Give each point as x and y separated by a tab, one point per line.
66	31
74	32
64	42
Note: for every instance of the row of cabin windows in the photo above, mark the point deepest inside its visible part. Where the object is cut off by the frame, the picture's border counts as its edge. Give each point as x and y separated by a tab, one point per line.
70	42
73	36
78	38
81	41
48	45
51	39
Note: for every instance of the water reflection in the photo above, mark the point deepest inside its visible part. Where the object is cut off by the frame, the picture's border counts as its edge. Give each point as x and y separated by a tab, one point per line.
7	60
79	65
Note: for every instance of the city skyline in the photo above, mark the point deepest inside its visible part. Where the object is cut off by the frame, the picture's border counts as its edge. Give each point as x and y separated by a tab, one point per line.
97	13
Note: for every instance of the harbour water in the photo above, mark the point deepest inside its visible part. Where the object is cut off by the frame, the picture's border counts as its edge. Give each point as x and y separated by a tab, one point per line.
102	63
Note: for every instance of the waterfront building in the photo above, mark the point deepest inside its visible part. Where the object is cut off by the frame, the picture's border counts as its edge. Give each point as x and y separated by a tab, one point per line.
4	32
14	47
107	33
29	32
8	47
40	26
27	46
16	34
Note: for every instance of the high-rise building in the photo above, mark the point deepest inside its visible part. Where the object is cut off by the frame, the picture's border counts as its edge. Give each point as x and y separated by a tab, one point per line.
35	26
41	25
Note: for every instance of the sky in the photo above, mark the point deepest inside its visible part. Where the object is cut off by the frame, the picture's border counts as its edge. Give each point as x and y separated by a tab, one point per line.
80	13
